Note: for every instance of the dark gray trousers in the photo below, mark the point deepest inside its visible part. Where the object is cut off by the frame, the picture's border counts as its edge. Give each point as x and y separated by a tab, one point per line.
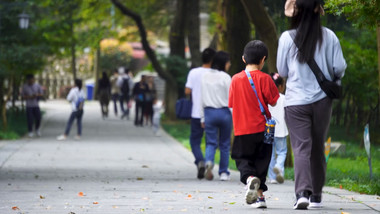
308	126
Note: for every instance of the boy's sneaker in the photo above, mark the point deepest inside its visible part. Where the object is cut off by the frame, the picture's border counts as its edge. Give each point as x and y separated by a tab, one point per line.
30	134
253	184
302	201
201	170
260	203
208	174
279	176
273	182
38	132
315	201
224	177
61	137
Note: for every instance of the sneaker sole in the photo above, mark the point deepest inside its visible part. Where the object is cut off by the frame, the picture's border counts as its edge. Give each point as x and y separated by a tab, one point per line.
279	177
301	204
260	205
251	195
315	205
201	172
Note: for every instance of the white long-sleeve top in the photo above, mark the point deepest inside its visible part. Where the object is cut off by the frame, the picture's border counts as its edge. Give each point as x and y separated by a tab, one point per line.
215	87
73	97
302	87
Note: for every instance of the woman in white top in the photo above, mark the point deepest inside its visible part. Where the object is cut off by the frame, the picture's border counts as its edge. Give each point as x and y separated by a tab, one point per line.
76	98
307	107
215	114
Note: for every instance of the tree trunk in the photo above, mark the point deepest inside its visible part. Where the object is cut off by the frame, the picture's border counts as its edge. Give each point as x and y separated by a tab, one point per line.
237	35
72	49
378	51
170	80
265	29
193	32
3	109
177	30
96	71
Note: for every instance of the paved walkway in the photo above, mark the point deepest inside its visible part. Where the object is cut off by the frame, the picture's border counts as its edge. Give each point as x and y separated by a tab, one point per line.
123	169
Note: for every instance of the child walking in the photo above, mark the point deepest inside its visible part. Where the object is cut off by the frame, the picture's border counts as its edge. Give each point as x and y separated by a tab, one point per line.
251	154
276	166
157	108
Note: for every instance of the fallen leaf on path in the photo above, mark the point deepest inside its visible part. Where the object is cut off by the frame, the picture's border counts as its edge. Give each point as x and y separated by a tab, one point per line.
145	166
210	197
210	207
189	196
184	210
42	197
340	186
115	207
233	203
345	213
140	178
276	199
95	202
15	208
81	194
145	198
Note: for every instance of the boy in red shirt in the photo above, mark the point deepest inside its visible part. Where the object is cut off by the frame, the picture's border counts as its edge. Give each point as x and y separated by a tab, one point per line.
251	154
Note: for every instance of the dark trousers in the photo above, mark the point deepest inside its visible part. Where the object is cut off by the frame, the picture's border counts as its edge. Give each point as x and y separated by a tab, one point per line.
196	139
115	99
252	157
75	115
33	115
140	106
308	126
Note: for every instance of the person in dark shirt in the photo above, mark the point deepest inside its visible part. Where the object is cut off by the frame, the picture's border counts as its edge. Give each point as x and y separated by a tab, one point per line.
139	91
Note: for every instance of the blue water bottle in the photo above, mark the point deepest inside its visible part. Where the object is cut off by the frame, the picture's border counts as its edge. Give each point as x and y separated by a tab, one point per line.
269	131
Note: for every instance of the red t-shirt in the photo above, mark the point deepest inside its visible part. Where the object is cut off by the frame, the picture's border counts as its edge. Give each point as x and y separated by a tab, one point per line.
246	114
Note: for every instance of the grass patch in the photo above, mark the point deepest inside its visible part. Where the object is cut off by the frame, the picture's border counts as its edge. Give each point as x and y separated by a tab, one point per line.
17	126
347	170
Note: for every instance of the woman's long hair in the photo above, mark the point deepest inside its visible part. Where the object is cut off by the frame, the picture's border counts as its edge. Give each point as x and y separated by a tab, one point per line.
219	61
307	23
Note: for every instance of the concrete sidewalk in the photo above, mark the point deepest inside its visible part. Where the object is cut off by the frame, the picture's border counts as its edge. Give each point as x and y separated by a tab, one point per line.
121	168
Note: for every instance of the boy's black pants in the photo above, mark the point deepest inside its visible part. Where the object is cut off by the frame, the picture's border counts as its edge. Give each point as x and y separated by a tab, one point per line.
252	157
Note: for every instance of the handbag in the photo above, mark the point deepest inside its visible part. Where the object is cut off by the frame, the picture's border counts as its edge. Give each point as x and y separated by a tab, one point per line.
270	123
331	88
183	109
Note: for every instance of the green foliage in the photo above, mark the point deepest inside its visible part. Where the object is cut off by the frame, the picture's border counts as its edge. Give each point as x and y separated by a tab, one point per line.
114	59
17	126
360	12
177	67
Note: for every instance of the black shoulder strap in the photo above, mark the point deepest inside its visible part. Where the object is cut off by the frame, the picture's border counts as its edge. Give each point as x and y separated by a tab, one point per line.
312	63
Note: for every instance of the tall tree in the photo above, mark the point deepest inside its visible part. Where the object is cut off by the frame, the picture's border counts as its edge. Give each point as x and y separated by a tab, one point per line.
170	80
193	32
264	27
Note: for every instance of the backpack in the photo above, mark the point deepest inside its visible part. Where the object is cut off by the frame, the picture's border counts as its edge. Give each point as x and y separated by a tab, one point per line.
125	86
80	103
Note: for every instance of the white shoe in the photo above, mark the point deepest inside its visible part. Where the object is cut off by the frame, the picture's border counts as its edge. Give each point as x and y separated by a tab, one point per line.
38	132
77	137
279	176
301	204
315	202
30	134
273	181
61	137
224	177
253	184
260	203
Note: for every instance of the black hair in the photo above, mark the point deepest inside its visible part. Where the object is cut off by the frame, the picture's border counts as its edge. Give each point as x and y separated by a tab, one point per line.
307	23
207	55
278	80
220	60
254	51
78	83
29	76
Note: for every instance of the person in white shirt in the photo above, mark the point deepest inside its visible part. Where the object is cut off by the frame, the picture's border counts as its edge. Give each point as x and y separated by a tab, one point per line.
276	166
76	98
157	109
216	117
193	88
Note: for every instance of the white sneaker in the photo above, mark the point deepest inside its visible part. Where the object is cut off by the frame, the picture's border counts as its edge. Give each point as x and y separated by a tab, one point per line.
279	176
260	203
253	184
224	177
315	202
38	132
273	181
30	134
61	137
301	204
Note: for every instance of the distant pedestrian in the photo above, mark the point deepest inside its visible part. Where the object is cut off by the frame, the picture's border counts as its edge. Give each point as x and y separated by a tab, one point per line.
307	107
276	166
149	97
76	98
193	88
104	93
216	117
32	92
139	91
124	82
157	109
251	154
115	90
